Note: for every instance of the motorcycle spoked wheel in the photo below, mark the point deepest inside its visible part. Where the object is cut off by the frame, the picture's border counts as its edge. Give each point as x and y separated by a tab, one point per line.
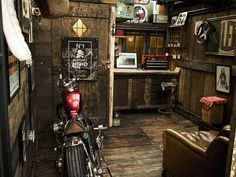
75	161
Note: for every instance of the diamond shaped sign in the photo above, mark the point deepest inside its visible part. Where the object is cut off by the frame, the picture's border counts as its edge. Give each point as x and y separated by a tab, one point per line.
79	28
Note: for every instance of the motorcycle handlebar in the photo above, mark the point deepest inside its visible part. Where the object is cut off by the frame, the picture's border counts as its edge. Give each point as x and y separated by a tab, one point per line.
66	84
100	127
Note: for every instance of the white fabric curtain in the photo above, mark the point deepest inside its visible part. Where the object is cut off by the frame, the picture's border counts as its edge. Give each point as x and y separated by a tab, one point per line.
13	34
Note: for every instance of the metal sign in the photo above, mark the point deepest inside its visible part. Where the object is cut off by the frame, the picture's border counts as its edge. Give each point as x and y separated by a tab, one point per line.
222	36
80	57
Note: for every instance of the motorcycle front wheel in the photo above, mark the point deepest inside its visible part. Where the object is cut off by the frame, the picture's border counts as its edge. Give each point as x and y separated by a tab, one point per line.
75	161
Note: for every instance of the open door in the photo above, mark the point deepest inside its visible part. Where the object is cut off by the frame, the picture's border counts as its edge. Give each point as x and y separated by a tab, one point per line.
79	29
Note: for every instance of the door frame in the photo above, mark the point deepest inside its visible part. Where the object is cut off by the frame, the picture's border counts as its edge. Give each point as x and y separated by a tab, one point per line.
5	153
111	71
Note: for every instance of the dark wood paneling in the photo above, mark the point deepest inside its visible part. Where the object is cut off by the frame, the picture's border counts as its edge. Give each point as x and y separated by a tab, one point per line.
88	10
157	95
43	50
196	92
138	92
197	76
196	65
120	92
43	37
96	19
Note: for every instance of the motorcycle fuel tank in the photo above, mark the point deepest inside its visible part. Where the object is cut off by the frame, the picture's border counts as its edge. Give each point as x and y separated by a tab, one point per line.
72	101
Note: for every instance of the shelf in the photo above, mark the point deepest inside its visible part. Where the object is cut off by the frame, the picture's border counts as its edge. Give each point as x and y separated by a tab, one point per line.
145	72
174	47
142	26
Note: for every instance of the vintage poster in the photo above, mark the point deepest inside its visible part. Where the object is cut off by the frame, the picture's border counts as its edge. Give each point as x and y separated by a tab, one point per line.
221	39
124	11
227	37
80	58
14	74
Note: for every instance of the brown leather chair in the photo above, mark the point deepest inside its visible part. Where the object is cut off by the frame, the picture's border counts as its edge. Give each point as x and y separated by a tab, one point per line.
196	154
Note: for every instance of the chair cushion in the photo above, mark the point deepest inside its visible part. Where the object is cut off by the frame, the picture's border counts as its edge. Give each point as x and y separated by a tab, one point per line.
201	138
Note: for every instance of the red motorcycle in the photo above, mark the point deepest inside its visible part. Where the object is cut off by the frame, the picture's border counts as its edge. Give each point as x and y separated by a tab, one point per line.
80	152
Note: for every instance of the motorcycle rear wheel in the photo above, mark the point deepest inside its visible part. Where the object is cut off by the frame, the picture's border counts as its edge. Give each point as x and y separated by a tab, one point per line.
75	161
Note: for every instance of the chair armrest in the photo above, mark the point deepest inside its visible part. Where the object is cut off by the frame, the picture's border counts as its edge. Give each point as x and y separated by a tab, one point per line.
218	146
182	140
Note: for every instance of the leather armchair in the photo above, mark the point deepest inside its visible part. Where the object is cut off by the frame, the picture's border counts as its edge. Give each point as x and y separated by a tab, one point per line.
196	154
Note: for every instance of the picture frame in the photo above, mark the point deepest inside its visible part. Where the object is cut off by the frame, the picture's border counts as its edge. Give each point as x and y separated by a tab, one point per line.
13	66
80	57
223	74
127	60
26	8
221	38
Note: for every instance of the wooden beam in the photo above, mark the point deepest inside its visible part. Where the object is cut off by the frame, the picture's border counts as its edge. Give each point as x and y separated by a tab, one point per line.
196	65
232	144
142	27
201	66
111	74
53	8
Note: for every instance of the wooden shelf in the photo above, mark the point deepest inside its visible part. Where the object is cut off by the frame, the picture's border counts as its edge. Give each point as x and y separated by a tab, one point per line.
142	26
145	72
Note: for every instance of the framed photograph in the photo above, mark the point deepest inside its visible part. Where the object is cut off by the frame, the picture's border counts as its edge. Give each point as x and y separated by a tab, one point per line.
223	74
14	75
127	60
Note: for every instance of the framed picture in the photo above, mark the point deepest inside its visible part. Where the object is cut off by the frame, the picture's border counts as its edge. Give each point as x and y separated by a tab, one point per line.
26	7
221	37
223	74
80	57
14	75
127	60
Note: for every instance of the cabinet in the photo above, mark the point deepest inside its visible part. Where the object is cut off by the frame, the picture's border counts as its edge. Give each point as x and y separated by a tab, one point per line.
176	40
141	89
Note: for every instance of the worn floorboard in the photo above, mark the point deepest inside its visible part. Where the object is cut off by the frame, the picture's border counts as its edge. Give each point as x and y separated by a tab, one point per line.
134	149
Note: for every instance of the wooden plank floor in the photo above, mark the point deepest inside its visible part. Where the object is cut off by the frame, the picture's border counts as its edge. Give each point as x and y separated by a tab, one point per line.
134	149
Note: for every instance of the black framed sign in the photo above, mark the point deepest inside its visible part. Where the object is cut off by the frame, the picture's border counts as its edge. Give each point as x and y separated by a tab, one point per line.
14	75
222	36
223	74
80	57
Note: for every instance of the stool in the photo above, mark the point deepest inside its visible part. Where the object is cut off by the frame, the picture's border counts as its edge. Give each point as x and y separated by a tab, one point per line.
168	87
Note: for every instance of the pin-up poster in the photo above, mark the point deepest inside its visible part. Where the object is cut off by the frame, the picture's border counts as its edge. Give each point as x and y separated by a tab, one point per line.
80	57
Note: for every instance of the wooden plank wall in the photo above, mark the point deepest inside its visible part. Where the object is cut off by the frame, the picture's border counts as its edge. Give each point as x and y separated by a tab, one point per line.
197	77
139	92
96	18
20	113
43	74
48	57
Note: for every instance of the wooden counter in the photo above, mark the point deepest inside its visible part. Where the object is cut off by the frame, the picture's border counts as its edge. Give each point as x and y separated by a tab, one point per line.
141	89
146	72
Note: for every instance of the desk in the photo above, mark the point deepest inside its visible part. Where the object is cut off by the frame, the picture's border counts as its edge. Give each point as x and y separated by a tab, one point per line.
141	89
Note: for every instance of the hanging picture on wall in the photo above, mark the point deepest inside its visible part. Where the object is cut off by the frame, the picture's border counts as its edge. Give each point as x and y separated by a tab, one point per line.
26	7
127	60
223	74
80	57
222	36
14	75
